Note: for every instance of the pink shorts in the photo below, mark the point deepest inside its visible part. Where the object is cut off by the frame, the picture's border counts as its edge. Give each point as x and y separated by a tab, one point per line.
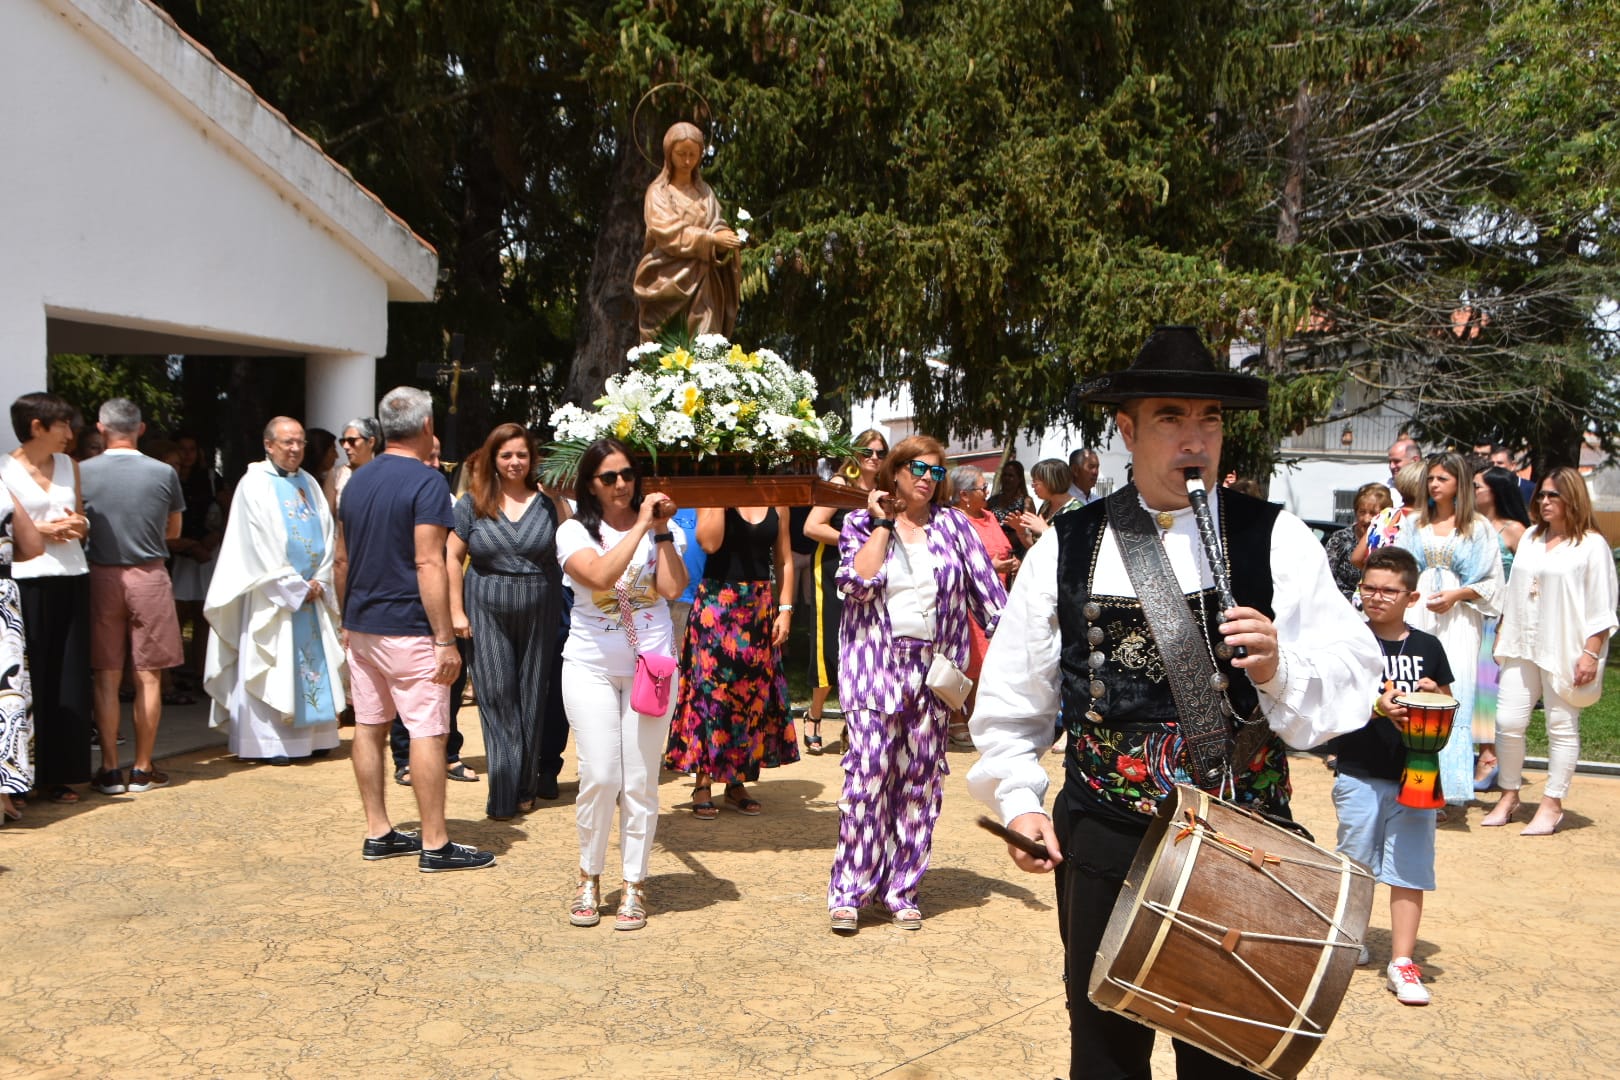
133	605
393	676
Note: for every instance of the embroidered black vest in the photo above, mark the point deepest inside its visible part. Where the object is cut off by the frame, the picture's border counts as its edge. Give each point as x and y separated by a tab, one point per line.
1125	750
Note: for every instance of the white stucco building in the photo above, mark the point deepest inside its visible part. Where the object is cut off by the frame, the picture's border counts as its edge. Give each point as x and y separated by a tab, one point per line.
151	203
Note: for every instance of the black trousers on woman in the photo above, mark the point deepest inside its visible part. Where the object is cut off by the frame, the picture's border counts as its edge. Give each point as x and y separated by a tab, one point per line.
1106	1045
56	627
514	620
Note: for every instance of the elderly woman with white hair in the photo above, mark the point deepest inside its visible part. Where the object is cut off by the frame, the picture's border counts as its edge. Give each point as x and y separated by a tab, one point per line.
362	440
968	493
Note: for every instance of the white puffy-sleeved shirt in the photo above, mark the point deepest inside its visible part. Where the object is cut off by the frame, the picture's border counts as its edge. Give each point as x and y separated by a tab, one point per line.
1328	672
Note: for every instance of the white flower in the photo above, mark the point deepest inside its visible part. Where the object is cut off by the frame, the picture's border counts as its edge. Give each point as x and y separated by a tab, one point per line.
744	215
712	343
572	422
649	348
675	426
742	235
725	415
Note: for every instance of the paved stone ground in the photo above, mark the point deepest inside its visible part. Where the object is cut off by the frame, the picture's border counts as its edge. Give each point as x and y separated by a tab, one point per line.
226	926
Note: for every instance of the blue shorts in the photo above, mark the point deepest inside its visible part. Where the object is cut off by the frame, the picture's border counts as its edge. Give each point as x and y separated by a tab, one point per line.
1396	842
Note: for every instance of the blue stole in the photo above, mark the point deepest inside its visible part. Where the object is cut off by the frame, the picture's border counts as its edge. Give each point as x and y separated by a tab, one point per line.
305	549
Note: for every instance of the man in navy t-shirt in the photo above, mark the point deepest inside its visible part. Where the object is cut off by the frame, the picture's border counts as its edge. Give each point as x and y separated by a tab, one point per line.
393	521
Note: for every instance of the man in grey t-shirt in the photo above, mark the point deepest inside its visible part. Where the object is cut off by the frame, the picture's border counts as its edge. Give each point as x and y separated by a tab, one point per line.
134	504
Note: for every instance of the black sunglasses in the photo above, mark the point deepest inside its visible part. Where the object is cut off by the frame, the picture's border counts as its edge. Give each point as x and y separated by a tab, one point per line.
610	478
868	452
920	469
350	440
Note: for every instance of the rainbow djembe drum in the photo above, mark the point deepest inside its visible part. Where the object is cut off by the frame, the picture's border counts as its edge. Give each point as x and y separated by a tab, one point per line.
1424	732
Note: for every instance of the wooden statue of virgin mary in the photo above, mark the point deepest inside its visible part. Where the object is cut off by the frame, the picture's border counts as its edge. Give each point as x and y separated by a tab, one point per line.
689	260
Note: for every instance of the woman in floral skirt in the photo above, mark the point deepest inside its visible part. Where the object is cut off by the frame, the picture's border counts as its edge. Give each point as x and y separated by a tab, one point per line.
733	712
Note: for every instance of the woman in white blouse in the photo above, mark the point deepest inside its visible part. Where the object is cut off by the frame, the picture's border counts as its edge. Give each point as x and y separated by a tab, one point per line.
1557	616
624	564
55	591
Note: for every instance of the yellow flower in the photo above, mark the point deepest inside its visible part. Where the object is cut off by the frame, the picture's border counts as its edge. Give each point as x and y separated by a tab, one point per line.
680	358
694	400
746	409
736	355
622	428
804	407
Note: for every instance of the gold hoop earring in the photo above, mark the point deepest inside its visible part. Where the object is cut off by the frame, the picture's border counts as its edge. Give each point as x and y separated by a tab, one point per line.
852	471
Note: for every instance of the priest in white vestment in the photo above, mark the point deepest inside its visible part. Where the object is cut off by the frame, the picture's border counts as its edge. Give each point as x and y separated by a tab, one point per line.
275	662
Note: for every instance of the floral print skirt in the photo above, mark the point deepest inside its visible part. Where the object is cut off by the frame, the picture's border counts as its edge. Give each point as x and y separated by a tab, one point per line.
732	715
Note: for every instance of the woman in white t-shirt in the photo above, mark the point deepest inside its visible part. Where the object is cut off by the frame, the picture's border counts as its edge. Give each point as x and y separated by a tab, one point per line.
55	591
619	553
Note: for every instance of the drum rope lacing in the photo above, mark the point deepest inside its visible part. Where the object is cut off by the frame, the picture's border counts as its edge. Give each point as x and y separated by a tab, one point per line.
1262	860
1227	939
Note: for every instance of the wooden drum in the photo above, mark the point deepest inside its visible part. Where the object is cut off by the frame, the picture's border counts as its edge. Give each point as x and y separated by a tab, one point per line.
1233	934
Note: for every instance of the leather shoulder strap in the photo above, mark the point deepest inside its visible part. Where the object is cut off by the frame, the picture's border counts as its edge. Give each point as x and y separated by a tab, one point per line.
1204	726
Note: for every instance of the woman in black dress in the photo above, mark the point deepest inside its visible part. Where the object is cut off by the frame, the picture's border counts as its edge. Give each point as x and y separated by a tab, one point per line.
823	526
508	601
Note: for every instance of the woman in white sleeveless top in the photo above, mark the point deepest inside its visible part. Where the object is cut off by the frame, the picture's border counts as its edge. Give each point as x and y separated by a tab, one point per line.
54	589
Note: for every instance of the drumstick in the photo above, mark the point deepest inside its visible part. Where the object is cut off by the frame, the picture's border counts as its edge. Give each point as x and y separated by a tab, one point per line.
1016	839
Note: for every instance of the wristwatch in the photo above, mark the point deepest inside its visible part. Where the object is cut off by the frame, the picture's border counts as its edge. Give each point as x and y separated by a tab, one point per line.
883	523
663	537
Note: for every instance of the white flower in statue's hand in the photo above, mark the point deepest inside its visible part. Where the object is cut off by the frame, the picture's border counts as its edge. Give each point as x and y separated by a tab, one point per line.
744	215
742	236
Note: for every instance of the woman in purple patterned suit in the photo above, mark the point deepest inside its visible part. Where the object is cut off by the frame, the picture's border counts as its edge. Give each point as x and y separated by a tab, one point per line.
909	571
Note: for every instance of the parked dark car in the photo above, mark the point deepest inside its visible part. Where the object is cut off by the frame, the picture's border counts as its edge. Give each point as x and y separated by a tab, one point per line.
1325	529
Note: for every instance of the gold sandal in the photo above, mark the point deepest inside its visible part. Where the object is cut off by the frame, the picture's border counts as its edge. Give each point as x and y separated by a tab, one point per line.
585	909
632	907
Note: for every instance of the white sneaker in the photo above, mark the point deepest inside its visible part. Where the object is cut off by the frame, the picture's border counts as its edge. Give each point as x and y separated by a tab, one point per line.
1406	982
1364	958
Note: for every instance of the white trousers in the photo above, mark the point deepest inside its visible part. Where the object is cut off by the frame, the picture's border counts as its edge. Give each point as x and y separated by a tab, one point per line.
1520	684
619	753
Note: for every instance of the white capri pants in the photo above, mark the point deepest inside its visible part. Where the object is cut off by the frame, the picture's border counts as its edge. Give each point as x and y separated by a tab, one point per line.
619	753
1520	684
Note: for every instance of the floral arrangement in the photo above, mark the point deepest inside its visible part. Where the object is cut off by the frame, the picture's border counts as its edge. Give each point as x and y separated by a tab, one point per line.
704	396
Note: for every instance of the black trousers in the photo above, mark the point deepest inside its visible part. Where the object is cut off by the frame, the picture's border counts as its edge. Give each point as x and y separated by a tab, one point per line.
1097	854
554	721
56	628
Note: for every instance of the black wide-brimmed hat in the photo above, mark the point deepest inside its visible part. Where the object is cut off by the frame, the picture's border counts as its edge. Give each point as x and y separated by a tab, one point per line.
1174	363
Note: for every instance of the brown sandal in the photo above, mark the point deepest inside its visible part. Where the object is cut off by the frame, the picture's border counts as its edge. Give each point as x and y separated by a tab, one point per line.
704	809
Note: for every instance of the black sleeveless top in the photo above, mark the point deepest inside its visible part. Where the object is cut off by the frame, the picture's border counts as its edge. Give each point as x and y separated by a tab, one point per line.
747	551
1125	748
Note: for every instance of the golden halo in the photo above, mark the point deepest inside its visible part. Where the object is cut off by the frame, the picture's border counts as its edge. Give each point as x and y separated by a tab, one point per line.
694	109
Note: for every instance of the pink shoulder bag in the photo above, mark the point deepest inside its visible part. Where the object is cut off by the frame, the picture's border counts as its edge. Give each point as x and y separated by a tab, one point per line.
655	673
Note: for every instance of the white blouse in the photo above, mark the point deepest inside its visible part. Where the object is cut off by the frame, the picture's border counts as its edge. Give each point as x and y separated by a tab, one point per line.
1330	665
61	558
1553	602
911	591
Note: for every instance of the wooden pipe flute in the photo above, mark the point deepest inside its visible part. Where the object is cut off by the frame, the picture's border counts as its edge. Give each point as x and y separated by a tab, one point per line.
1212	544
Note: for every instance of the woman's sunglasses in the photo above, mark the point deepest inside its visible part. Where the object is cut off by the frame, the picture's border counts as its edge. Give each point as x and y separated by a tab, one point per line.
868	452
352	440
920	469
611	478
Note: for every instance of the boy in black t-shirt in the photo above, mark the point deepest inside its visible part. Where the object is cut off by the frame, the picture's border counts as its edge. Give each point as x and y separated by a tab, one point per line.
1395	841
